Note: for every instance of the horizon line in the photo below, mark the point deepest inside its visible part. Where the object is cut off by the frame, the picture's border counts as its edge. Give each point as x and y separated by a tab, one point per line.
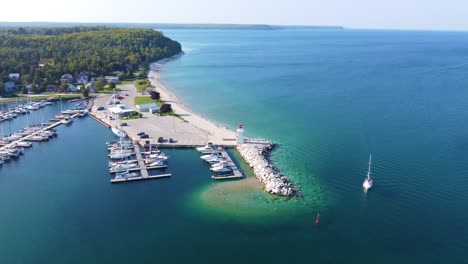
235	24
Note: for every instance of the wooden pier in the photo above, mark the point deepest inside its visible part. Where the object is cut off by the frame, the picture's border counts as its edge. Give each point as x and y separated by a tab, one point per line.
236	173
28	137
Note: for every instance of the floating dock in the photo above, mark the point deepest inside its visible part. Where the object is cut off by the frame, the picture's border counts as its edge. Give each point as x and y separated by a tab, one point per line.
142	168
28	137
236	173
140	178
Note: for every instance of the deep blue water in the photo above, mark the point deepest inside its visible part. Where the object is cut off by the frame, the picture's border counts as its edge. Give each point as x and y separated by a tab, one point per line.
329	98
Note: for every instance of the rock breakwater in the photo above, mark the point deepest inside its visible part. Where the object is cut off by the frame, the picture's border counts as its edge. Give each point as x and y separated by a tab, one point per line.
256	156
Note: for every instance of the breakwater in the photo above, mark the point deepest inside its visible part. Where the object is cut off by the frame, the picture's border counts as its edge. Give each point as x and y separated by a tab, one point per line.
256	156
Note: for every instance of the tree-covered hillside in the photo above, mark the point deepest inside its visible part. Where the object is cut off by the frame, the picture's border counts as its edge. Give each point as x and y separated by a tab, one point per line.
42	55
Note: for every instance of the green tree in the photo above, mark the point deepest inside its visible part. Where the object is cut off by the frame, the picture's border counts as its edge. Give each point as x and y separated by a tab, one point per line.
34	88
23	89
100	83
64	87
2	89
85	92
112	85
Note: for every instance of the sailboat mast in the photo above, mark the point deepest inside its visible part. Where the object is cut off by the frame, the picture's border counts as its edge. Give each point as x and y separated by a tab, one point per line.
370	161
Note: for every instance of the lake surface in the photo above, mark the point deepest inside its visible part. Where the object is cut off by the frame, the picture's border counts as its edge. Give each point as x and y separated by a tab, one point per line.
329	98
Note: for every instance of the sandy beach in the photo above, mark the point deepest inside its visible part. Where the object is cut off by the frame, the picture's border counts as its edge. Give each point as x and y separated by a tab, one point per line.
215	133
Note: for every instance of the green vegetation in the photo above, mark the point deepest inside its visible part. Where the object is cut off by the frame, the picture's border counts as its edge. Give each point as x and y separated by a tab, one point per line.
133	115
43	55
108	90
141	85
143	100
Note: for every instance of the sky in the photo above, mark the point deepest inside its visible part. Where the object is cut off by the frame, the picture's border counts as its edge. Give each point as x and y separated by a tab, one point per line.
383	14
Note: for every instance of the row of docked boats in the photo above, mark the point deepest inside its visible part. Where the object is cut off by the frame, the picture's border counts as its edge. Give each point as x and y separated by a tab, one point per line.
39	136
215	157
21	109
122	161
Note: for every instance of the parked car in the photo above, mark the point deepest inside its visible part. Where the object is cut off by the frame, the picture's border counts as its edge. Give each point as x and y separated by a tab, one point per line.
144	136
171	140
160	139
124	124
140	133
101	108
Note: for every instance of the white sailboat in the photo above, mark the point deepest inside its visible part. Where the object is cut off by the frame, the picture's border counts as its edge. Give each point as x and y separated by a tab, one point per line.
367	184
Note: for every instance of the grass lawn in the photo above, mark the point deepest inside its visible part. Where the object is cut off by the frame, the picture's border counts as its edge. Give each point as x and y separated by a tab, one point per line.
109	90
143	100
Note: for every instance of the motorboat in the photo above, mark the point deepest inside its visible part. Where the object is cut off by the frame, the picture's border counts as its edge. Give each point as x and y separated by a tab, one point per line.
120	155
221	168
207	149
123	167
112	164
156	162
4	156
24	144
125	175
67	120
211	156
367	184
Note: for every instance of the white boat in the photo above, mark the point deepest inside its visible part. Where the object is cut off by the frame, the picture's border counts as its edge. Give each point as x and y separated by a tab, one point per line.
67	120
118	132
123	167
211	156
4	155
221	168
112	164
13	152
367	184
156	162
125	175
120	155
207	149
24	144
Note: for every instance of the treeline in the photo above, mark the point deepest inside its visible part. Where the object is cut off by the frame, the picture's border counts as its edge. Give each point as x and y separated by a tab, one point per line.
43	55
50	31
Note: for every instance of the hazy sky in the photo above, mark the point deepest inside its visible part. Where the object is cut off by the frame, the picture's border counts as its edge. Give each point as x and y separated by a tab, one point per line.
403	14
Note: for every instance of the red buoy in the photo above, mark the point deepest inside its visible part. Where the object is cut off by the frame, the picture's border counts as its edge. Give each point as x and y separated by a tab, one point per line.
317	220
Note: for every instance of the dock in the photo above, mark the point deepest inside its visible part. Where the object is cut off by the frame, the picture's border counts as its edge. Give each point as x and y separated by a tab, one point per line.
140	178
141	163
236	173
28	137
142	168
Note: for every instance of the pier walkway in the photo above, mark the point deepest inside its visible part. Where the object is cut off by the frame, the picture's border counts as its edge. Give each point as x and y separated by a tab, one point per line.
26	138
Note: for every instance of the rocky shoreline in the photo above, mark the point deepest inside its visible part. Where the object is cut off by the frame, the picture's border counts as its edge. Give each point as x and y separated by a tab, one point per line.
256	156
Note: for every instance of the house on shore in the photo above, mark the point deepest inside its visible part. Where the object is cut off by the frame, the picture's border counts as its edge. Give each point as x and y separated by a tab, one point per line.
51	88
10	86
14	76
72	88
82	78
91	88
112	79
67	78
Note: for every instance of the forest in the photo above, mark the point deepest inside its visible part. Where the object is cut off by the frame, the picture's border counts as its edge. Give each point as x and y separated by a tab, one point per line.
43	55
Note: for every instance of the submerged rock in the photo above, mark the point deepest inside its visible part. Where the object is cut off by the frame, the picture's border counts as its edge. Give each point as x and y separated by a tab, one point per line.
256	156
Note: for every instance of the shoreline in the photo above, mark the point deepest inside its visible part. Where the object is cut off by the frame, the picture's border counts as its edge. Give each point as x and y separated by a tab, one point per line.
256	152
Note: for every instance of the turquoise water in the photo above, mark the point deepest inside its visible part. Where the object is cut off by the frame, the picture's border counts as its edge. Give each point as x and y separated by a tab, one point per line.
329	98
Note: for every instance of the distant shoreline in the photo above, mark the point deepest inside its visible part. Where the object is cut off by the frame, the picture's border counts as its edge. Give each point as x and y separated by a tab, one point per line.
161	26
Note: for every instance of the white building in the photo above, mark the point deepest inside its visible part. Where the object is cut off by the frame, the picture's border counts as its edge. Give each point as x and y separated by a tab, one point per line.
121	111
151	107
14	76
